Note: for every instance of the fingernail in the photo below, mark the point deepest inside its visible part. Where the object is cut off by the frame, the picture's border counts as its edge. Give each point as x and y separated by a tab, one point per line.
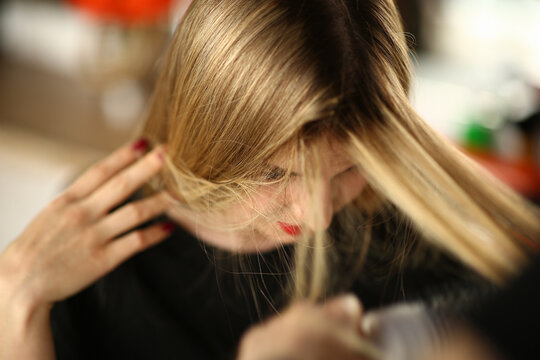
161	153
369	324
140	145
168	226
351	306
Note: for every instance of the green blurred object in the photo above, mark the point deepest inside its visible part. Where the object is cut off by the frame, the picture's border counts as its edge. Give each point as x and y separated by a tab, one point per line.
477	137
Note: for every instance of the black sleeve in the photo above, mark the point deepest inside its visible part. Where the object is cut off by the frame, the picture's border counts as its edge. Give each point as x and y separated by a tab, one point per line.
511	319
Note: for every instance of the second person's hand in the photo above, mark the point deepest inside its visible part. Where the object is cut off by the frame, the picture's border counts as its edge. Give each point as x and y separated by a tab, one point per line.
307	331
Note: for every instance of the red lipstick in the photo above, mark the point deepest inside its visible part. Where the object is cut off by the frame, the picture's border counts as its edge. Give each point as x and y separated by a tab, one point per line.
290	229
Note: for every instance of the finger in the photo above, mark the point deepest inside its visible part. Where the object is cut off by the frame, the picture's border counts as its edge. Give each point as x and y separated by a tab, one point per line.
132	215
136	241
121	186
350	345
101	172
346	309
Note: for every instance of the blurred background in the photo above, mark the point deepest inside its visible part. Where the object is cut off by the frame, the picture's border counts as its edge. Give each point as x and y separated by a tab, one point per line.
75	76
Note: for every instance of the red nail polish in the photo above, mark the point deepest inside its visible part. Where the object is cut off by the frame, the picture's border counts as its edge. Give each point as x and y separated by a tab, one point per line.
140	145
168	227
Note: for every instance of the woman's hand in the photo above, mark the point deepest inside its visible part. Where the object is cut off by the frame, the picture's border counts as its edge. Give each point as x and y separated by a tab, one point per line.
75	240
308	331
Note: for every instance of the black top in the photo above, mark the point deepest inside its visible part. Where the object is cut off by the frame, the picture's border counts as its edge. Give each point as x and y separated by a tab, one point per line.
509	320
178	300
184	300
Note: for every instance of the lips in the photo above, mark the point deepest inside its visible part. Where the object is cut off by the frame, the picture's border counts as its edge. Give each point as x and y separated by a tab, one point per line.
290	229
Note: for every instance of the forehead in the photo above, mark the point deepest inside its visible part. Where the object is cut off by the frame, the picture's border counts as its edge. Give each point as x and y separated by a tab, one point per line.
329	150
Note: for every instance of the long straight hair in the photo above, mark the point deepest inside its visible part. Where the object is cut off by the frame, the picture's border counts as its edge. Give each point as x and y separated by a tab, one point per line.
242	79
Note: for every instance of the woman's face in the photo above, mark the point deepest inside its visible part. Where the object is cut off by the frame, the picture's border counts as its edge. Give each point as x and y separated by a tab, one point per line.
280	214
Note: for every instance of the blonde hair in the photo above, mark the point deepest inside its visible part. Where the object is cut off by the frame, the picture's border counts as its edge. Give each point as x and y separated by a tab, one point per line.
242	79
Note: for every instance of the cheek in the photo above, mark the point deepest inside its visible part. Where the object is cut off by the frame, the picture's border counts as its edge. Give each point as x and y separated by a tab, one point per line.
266	200
349	189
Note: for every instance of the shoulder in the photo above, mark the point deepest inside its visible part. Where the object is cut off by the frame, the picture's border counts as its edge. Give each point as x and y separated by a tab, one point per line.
115	306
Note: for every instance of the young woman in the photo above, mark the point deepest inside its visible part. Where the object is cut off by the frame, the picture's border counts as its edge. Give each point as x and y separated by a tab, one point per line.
294	168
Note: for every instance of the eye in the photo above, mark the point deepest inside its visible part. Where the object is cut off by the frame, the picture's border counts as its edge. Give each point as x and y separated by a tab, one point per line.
351	169
274	174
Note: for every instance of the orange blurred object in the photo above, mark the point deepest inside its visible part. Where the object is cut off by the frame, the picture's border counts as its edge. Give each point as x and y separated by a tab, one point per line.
126	11
523	176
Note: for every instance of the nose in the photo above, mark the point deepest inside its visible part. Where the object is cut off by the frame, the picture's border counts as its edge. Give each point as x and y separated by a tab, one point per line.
313	209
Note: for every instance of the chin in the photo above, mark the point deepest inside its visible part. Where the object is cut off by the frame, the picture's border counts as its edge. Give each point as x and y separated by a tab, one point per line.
264	240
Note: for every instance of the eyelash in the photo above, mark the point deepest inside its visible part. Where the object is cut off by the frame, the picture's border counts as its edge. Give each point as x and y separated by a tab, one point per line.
352	168
274	174
278	174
